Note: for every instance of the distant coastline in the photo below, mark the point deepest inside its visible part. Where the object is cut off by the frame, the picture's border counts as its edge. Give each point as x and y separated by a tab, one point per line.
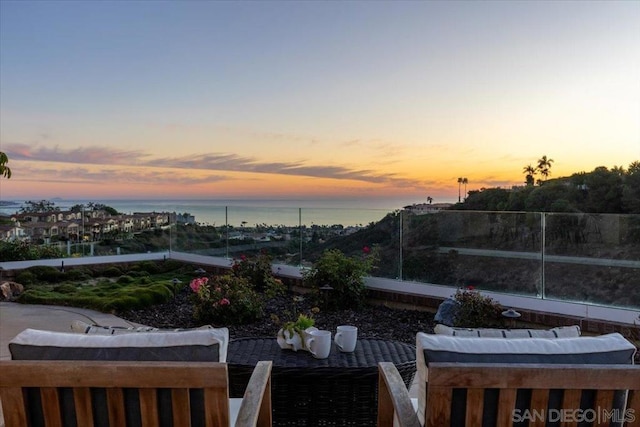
238	212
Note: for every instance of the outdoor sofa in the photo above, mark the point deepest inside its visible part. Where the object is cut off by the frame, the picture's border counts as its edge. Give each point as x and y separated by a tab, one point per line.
139	378
521	381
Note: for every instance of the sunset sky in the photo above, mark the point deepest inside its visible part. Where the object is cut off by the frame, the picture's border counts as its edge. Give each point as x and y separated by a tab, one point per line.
353	100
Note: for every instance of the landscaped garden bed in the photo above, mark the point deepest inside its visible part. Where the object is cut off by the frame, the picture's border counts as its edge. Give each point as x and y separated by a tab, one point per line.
160	295
371	320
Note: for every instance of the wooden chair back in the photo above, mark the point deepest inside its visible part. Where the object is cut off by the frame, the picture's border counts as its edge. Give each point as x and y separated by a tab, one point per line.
87	393
506	394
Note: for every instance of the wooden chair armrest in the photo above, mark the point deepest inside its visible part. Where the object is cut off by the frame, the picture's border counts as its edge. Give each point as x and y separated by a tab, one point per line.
393	398
255	409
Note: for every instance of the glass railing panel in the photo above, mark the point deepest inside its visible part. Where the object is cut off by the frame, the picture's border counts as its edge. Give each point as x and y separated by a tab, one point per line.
354	231
147	241
255	229
116	242
496	251
200	231
593	258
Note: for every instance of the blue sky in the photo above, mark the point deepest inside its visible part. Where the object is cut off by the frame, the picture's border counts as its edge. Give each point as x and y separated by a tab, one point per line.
318	99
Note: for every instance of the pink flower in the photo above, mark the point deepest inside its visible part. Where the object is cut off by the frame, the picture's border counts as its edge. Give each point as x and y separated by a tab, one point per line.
224	301
196	284
366	249
243	257
470	288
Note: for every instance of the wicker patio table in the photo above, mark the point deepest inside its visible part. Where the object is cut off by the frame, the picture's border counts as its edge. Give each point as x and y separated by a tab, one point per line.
341	390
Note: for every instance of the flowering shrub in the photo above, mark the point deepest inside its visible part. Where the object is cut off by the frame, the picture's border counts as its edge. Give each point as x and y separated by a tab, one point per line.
475	310
344	274
225	300
259	274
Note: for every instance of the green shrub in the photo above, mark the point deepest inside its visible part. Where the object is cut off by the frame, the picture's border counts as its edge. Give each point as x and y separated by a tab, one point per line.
225	300
171	265
22	251
149	266
46	273
26	277
144	298
161	294
345	275
39	296
65	289
122	303
111	272
78	274
259	273
138	273
29	296
125	279
475	310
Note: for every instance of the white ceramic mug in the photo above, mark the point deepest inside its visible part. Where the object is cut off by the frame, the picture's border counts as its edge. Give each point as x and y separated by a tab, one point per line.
346	338
319	343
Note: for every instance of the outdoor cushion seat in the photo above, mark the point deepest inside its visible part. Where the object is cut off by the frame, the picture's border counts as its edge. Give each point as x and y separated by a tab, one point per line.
204	344
558	332
197	345
610	349
488	380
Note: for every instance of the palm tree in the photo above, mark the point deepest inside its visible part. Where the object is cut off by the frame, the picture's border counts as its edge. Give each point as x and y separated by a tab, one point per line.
429	199
544	164
459	182
530	172
4	169
465	181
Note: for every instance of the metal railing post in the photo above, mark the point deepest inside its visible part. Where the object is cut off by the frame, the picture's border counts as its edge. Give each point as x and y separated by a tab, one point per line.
400	222
543	224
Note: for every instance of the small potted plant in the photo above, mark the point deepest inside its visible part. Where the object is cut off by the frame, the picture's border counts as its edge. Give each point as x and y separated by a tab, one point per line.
292	334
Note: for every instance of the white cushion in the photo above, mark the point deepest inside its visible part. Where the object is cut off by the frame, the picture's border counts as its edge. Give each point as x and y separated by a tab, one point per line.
558	332
208	344
603	349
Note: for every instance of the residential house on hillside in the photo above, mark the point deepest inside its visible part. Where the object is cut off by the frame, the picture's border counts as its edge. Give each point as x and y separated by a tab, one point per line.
11	232
89	225
427	208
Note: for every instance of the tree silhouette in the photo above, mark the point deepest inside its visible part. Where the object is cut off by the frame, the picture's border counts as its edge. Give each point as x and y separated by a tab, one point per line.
4	169
465	181
530	173
544	166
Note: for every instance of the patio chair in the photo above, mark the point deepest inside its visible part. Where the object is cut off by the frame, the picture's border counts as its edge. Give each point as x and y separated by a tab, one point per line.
497	382
116	393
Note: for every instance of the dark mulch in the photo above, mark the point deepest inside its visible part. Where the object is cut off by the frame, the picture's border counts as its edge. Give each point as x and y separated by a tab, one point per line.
373	321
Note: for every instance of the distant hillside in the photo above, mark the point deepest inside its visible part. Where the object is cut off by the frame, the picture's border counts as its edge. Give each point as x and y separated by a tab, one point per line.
601	191
434	251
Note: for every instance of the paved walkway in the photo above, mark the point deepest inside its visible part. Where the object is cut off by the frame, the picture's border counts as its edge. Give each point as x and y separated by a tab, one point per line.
14	318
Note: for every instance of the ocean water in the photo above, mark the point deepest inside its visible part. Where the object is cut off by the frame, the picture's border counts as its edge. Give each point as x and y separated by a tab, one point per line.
249	212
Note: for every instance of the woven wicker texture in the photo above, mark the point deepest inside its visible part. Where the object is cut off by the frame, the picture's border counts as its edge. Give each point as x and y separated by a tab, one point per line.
341	390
